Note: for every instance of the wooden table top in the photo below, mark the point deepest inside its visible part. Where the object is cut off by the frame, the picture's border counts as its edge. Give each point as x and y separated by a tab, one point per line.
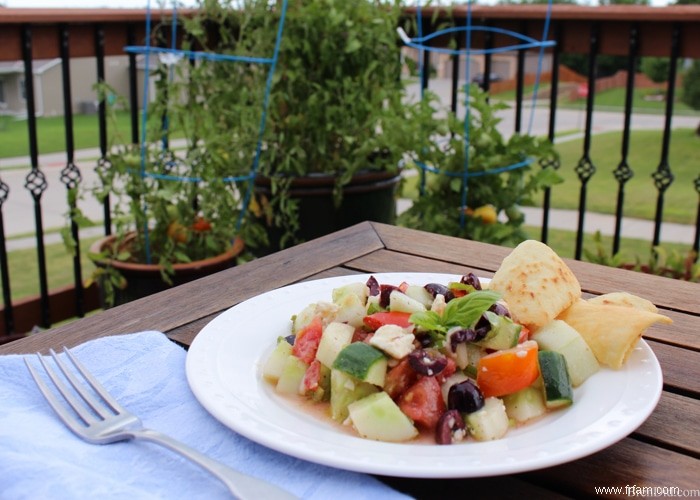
663	452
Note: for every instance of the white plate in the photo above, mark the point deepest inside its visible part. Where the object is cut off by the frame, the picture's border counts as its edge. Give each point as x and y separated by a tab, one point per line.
224	365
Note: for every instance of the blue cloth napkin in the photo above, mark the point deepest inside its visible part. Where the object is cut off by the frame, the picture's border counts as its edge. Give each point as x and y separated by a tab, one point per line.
145	372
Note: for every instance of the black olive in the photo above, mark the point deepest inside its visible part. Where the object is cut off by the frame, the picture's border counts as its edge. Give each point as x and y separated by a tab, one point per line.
427	361
471	279
436	289
450	428
500	309
373	286
459	335
465	397
385	293
290	339
424	339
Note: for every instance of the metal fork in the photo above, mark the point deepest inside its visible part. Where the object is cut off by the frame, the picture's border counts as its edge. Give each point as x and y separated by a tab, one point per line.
109	422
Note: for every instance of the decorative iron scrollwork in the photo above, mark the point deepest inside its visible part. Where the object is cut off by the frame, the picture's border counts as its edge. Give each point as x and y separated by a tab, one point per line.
36	183
70	176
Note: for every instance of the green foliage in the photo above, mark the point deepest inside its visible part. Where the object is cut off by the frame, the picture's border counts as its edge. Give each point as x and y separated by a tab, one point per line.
440	208
661	261
336	105
656	68
691	86
177	206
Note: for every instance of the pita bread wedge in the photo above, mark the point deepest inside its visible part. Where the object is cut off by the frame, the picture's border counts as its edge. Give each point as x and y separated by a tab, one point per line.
624	299
611	331
535	283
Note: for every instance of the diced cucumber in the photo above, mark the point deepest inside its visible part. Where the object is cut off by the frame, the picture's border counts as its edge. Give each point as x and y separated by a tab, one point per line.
504	334
278	357
378	417
363	362
335	337
292	374
345	390
420	294
360	289
525	404
400	302
555	379
351	310
323	391
558	336
372	305
303	318
490	422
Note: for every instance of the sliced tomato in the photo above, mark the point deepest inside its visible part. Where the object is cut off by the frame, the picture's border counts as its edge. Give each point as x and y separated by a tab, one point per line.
423	402
307	340
508	371
403	286
448	371
524	334
399	379
361	335
312	377
379	319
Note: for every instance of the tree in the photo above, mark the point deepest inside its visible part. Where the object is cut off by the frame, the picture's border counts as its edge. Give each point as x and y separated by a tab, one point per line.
656	68
691	87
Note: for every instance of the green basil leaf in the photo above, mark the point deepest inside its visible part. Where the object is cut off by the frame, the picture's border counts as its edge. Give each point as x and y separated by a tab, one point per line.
465	311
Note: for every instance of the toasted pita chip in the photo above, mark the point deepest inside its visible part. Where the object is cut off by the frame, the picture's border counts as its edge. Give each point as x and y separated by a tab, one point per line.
535	283
611	331
624	299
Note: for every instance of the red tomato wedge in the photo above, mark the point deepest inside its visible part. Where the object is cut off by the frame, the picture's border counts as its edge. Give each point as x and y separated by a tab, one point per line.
307	340
423	402
399	379
312	377
508	371
378	319
524	334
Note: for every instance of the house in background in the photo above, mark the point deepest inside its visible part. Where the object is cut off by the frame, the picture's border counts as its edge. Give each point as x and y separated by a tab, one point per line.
48	85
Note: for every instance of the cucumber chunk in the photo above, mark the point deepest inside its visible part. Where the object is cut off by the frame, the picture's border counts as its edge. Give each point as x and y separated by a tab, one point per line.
378	417
363	362
345	390
490	422
525	404
558	336
335	337
504	334
292	374
275	363
399	301
360	289
555	377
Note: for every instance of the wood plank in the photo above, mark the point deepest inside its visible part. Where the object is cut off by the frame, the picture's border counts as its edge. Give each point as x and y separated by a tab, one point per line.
680	367
682	436
664	292
389	261
629	462
188	303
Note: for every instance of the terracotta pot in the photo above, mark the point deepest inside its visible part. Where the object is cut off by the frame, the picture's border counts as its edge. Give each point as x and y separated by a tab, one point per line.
370	195
145	279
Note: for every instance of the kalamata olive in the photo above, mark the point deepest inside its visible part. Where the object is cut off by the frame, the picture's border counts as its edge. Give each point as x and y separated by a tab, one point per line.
290	339
458	335
482	327
373	286
424	339
465	397
427	361
471	279
438	289
384	293
500	309
450	428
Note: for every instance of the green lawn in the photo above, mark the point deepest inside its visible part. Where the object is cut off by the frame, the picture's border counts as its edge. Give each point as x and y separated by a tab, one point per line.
681	199
51	136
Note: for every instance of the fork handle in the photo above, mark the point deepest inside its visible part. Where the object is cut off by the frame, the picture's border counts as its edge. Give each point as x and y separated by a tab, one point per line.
241	485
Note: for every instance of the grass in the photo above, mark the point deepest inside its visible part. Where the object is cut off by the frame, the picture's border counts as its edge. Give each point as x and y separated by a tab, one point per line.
14	136
644	157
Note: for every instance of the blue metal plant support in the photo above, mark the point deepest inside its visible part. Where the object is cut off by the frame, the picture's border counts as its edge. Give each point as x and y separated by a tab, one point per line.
174	54
521	42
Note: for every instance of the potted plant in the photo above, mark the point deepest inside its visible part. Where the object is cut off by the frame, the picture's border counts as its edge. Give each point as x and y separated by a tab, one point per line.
180	197
503	174
338	123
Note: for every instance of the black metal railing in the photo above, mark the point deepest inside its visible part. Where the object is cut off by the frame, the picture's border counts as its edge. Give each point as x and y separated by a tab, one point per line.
29	35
